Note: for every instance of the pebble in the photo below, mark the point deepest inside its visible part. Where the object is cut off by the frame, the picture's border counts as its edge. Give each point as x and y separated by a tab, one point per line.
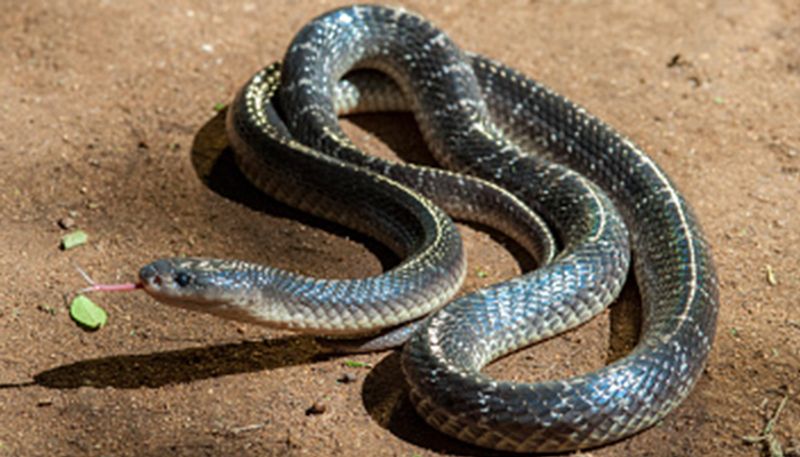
317	408
66	223
347	378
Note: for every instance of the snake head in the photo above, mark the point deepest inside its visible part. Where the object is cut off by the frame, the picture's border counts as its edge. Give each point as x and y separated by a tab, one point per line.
231	289
195	284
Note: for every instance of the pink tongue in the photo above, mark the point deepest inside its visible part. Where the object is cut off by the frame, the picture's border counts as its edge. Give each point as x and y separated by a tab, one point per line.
124	287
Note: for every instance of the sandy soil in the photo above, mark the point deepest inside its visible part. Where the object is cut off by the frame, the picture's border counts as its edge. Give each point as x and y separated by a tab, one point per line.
108	118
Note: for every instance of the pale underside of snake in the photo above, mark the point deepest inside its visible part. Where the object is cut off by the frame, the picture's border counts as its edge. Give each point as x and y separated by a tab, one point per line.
517	151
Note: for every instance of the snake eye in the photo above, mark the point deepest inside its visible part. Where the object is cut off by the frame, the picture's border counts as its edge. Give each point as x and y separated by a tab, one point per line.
183	279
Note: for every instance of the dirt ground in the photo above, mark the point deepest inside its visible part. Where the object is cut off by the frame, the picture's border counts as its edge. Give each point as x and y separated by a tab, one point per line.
107	117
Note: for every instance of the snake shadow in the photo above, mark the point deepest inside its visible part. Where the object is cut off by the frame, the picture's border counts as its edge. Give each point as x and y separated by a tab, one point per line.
183	365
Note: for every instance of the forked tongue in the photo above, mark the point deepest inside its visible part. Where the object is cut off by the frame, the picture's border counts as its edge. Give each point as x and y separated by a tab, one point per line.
95	287
122	287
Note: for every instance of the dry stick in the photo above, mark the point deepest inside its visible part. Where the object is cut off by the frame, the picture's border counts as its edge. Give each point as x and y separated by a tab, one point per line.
773	445
248	428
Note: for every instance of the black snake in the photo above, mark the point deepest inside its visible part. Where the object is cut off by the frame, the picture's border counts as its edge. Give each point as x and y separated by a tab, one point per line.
519	142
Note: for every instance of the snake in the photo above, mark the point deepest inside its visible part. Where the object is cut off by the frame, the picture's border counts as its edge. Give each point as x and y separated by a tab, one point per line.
514	155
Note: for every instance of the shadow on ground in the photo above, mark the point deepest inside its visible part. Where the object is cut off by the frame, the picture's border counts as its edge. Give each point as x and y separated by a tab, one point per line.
181	366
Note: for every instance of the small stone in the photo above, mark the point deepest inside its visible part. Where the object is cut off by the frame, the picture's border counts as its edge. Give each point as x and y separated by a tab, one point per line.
66	223
347	378
317	408
771	278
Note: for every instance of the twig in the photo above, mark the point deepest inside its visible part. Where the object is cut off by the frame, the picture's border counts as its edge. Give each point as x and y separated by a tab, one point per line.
248	428
767	436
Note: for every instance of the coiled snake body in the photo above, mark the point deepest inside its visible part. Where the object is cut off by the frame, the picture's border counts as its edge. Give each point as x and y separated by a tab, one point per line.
519	143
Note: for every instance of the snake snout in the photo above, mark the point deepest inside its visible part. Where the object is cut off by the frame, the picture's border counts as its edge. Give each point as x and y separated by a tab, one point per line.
190	283
153	274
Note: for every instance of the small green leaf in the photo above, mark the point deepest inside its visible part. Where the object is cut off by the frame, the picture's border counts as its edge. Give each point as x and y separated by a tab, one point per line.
74	239
481	273
86	313
356	364
219	106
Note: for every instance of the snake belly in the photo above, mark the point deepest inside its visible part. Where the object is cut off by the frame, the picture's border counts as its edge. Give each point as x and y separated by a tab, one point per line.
464	103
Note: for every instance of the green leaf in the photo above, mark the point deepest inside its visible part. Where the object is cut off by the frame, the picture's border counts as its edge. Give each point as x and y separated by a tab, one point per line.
74	239
86	313
356	364
219	106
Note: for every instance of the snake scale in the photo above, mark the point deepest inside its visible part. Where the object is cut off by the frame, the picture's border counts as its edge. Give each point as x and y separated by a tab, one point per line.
522	159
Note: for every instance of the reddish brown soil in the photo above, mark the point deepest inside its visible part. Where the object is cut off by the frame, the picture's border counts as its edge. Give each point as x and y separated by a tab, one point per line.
103	101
